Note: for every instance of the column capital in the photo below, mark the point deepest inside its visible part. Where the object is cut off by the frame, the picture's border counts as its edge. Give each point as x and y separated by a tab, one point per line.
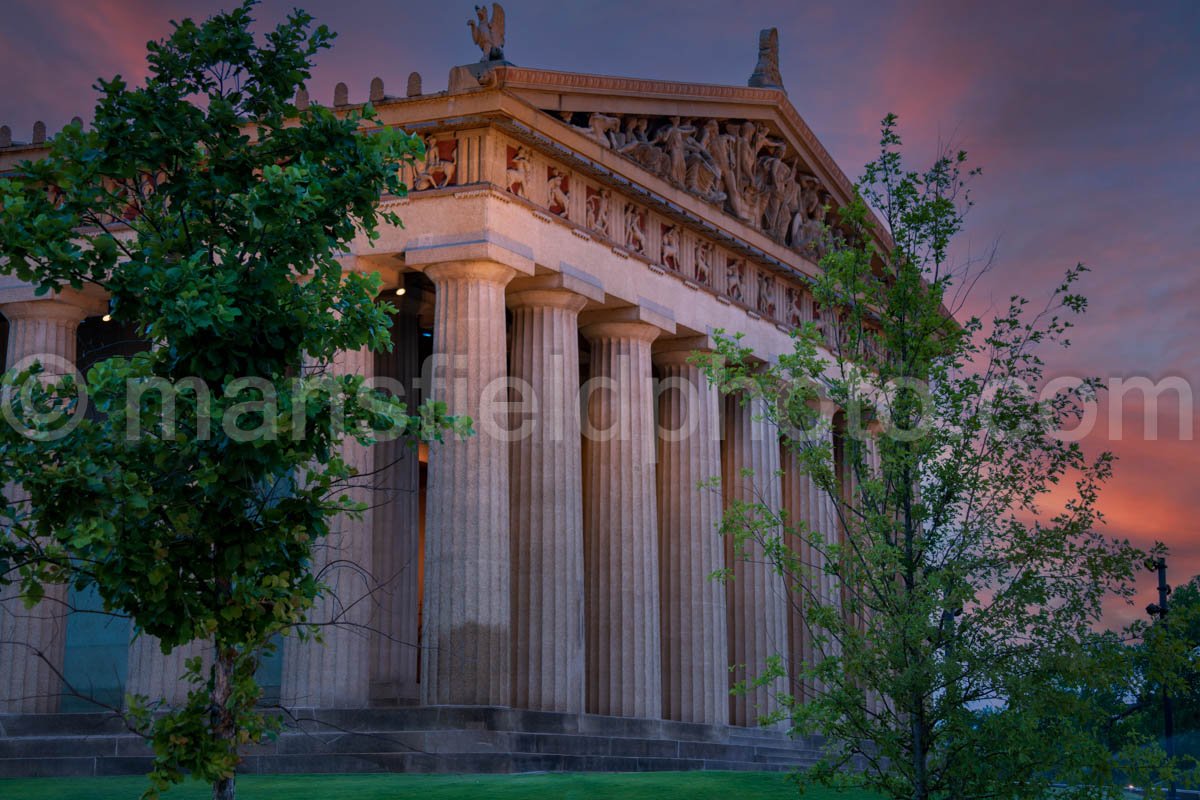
546	298
67	306
382	264
630	322
677	350
489	271
557	290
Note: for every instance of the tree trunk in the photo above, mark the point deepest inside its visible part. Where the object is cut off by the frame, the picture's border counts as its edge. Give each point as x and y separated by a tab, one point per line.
223	722
919	723
919	789
225	789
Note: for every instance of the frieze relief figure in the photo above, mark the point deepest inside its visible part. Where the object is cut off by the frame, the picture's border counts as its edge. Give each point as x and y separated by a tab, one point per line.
558	192
735	273
596	210
436	172
635	229
766	295
520	167
669	250
796	301
704	262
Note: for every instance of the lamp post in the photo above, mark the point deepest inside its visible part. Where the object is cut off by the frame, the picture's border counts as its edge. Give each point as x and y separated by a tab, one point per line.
1158	611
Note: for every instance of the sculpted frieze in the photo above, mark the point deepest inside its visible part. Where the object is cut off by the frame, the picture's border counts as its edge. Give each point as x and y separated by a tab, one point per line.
706	160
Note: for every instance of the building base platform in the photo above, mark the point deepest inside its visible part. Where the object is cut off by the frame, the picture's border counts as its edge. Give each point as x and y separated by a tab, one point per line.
426	739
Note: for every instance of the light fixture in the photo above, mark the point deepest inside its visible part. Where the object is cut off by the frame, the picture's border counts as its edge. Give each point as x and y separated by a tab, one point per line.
400	291
106	318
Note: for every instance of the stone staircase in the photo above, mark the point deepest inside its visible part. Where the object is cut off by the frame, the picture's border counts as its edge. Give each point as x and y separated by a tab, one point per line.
448	739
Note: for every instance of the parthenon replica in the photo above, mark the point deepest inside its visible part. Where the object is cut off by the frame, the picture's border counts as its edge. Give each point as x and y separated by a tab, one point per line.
544	600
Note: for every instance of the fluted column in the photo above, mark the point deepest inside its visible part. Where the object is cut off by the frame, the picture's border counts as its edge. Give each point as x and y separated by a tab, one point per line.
395	647
871	470
757	595
624	658
161	677
336	673
33	640
801	500
546	512
829	527
467	633
694	638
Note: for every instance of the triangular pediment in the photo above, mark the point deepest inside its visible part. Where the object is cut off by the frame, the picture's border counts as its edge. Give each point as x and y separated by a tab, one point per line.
742	150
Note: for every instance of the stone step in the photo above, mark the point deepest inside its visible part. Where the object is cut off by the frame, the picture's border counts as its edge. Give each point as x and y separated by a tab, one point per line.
424	739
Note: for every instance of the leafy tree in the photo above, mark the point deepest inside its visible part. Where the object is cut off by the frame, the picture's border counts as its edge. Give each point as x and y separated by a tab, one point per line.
1164	660
958	658
211	211
1167	658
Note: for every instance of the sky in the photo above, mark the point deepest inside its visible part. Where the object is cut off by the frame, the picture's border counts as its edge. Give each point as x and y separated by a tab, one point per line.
1085	117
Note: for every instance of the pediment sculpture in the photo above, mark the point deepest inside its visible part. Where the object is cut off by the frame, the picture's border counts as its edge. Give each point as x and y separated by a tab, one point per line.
738	165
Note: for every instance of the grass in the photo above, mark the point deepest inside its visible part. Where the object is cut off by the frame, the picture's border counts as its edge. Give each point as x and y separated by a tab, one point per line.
575	786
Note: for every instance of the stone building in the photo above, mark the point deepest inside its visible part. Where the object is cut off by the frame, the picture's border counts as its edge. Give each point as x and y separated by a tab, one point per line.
563	229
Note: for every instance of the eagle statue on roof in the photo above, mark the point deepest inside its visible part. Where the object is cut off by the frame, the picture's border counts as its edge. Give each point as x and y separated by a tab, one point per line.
489	33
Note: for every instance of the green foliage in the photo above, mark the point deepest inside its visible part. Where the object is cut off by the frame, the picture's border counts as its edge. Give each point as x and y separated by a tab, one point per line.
1164	659
958	658
212	213
1167	656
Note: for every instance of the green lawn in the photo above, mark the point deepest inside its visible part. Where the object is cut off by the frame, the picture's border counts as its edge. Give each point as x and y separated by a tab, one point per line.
593	786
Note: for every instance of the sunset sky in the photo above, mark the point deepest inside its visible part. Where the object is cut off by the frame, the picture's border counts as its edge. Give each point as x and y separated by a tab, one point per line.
1084	116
